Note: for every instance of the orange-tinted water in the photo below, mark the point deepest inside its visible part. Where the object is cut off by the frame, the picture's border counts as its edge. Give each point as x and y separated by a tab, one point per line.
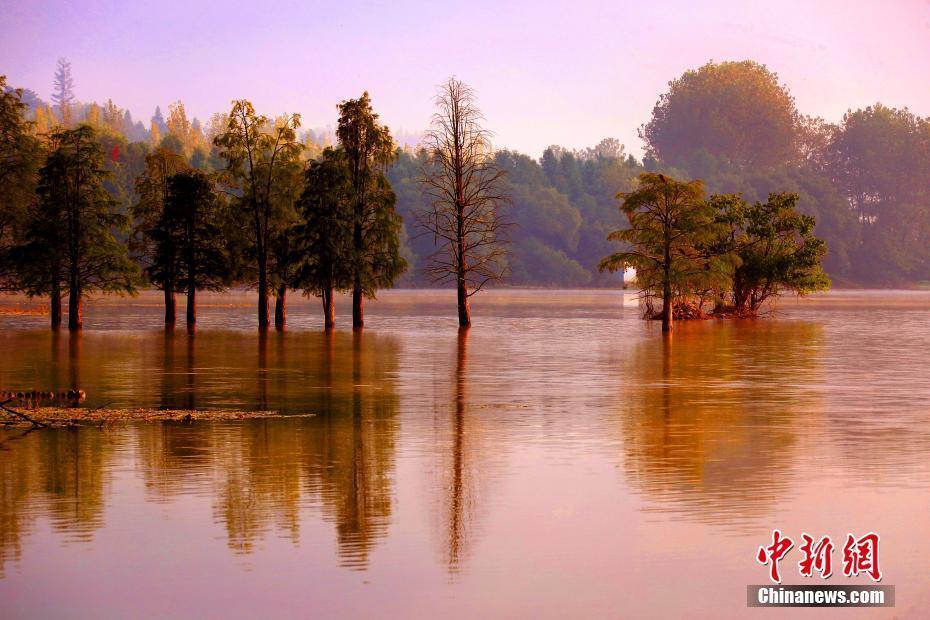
559	460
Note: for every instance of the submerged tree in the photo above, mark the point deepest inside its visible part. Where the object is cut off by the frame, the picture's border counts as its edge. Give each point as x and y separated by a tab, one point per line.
148	212
20	158
190	232
284	250
325	237
463	183
369	148
773	247
70	240
255	152
669	224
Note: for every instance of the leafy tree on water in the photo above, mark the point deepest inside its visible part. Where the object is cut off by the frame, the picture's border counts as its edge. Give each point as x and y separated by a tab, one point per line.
189	237
70	242
376	227
689	250
669	225
20	159
255	151
152	189
772	248
325	237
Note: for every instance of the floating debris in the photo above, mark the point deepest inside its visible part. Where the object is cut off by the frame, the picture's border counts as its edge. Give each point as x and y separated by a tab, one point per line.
64	416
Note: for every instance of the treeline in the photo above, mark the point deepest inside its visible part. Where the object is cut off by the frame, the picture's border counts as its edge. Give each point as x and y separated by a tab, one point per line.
731	124
83	211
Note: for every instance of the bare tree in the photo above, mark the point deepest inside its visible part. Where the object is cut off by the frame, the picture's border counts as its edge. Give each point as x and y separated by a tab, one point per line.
466	196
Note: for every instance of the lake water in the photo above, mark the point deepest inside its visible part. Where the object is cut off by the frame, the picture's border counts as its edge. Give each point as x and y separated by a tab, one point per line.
559	460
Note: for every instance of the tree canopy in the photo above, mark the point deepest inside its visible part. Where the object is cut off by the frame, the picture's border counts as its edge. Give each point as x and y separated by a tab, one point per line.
737	112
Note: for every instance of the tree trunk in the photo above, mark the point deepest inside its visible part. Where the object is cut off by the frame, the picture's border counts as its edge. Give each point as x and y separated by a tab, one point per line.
191	307
668	314
171	306
462	268
262	295
280	308
329	309
55	306
358	312
464	309
75	309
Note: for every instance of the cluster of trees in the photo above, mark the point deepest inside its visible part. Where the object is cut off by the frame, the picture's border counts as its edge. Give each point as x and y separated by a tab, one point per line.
83	211
265	217
865	180
734	125
720	254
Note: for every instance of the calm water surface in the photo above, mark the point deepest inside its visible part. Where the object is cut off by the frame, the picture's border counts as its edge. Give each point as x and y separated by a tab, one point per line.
558	460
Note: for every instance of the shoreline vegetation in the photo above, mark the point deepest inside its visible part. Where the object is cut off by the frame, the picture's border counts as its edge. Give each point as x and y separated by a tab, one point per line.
736	198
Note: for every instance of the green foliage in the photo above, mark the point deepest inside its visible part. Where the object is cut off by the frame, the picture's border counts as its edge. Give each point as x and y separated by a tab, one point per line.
152	189
20	158
736	112
325	237
71	236
772	248
189	232
376	259
534	263
262	161
670	225
880	158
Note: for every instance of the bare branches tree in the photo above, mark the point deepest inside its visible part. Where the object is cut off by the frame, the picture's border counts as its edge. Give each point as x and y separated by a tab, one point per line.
466	195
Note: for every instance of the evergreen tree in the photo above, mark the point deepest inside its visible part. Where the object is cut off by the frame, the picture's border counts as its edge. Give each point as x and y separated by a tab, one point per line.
63	94
669	223
71	240
152	189
20	157
325	237
188	237
369	149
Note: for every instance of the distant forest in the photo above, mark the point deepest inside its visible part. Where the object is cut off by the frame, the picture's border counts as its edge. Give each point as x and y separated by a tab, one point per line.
866	177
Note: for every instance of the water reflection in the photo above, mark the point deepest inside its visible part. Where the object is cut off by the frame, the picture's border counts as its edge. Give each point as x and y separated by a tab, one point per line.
530	464
710	418
62	476
260	474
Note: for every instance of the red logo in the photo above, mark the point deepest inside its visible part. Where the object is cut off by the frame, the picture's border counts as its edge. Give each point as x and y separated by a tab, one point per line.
860	555
774	553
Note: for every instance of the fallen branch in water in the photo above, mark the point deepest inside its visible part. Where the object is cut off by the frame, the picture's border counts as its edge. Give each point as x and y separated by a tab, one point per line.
21	415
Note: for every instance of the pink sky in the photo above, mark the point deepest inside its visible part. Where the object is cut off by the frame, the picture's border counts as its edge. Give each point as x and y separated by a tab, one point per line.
565	73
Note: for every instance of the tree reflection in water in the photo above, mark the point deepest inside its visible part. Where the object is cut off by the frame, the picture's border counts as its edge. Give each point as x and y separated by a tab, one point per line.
261	473
710	418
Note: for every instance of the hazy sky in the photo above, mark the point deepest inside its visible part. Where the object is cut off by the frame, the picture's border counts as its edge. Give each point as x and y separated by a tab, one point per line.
546	73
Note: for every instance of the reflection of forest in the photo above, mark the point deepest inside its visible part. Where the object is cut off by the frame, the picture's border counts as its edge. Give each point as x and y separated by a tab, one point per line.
261	473
264	471
710	417
61	475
